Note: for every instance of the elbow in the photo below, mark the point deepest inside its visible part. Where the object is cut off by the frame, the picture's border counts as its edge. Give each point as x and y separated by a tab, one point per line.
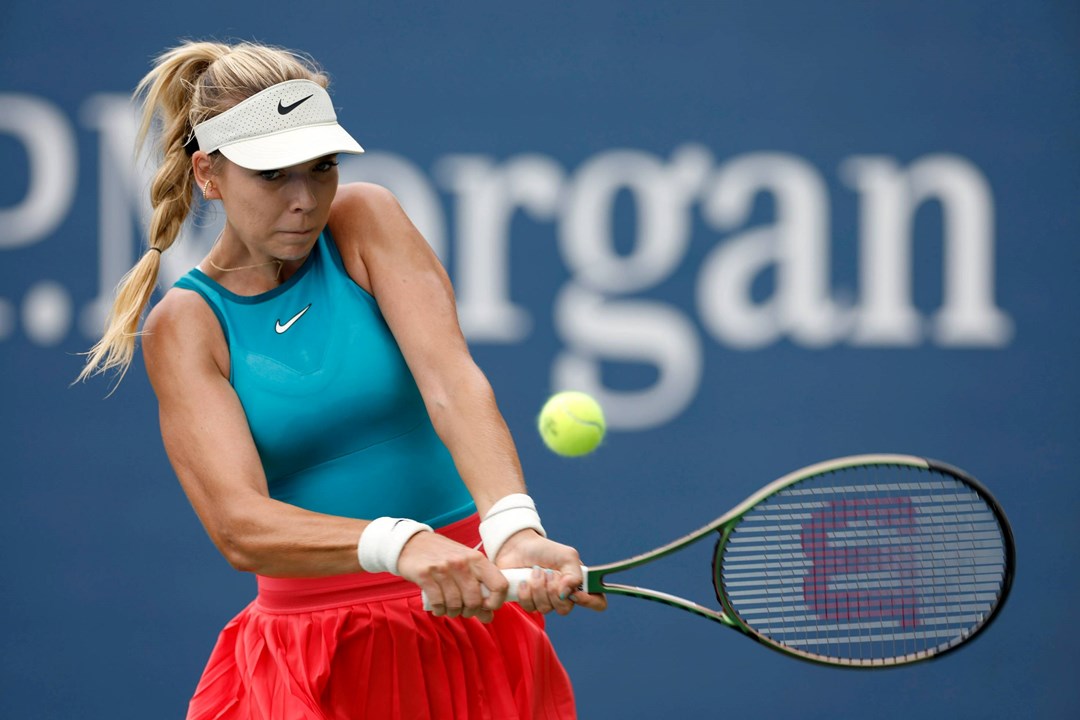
238	557
236	541
455	395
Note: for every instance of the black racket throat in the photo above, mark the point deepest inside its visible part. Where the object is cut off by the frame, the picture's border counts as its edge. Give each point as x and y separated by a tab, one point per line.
594	581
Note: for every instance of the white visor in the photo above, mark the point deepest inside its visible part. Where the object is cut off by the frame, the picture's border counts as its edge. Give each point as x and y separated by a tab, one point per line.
285	124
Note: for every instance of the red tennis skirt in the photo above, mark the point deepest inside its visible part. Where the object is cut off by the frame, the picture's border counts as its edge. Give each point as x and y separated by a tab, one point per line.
362	646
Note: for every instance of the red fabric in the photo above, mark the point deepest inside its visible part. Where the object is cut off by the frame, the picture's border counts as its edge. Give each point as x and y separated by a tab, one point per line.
361	646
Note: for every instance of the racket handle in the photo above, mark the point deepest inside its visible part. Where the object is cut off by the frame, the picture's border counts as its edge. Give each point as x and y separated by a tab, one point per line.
515	576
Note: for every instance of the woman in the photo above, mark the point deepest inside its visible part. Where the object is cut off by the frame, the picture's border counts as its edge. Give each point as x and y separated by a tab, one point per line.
323	413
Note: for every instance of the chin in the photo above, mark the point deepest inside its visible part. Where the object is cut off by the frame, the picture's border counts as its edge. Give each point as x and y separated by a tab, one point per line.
298	245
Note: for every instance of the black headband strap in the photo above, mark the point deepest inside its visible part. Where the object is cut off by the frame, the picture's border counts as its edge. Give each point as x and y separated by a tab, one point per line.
192	145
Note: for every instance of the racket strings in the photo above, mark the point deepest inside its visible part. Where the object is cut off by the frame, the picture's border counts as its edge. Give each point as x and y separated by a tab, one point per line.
866	565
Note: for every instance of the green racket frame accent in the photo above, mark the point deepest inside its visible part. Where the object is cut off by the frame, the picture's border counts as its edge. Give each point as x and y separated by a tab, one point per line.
594	575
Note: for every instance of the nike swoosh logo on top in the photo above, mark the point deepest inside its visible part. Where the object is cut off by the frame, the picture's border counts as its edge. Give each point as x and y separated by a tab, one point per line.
286	109
282	328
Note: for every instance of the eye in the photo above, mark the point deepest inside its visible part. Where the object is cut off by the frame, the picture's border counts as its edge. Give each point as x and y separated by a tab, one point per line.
327	165
271	174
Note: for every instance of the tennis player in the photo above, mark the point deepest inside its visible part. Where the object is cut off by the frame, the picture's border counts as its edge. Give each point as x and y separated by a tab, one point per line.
325	418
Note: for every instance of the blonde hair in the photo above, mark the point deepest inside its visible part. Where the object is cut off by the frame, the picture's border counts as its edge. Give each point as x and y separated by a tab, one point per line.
189	84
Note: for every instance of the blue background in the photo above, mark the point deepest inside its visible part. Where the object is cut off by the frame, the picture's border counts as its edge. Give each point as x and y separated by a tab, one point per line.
112	594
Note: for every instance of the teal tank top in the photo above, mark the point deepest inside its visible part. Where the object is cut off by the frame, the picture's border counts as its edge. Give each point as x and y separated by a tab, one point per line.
337	418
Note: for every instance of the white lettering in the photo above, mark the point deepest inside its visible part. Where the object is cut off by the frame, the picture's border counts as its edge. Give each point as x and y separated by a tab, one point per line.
889	198
662	196
46	312
488	196
760	283
50	145
968	316
120	212
797	244
596	329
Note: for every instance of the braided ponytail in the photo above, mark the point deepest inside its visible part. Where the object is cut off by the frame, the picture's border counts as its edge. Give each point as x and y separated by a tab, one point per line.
189	84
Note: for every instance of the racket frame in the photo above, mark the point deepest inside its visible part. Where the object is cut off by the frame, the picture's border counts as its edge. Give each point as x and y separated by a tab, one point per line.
594	575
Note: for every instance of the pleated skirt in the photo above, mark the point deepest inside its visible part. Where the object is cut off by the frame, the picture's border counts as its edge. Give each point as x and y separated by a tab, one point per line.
357	647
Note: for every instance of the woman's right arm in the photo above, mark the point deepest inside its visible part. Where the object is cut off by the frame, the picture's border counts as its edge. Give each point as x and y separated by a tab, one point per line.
210	446
211	449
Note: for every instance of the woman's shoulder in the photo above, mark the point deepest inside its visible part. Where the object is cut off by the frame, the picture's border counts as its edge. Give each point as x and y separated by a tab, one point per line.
181	321
360	207
362	196
179	306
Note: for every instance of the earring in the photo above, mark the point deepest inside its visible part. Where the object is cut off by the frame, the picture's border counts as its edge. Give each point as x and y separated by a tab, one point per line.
206	190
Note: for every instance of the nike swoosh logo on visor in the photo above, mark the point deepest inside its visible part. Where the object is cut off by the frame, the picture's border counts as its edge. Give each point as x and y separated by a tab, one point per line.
282	328
286	109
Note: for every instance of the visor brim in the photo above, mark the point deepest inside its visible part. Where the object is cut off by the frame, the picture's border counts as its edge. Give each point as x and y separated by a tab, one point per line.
291	147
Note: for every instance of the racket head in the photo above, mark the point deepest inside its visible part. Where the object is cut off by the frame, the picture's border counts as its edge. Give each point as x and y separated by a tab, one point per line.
867	561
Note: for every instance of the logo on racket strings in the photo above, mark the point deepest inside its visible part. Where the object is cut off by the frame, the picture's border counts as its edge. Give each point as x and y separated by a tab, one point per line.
867	523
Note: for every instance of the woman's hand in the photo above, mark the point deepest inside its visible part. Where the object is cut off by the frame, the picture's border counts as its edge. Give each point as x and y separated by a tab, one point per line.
451	575
556	577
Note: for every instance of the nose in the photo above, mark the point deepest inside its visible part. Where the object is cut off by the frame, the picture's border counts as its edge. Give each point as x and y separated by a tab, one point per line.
302	198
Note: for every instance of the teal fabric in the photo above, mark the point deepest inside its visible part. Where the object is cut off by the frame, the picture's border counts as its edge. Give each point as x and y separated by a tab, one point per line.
335	413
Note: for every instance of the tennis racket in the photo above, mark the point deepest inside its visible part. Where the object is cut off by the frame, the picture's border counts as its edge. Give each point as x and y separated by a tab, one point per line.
863	561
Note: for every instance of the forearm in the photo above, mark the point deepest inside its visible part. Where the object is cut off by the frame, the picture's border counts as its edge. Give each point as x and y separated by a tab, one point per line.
468	421
276	539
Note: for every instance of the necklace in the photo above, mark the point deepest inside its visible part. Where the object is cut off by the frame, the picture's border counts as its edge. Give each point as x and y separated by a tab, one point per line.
210	259
242	267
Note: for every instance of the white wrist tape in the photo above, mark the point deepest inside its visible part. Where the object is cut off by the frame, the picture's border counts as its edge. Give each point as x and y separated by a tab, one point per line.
508	516
382	541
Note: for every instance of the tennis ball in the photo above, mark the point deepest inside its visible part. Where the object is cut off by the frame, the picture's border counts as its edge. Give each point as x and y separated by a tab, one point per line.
572	424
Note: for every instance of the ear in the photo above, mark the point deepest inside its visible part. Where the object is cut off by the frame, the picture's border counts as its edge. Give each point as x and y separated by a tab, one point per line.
203	168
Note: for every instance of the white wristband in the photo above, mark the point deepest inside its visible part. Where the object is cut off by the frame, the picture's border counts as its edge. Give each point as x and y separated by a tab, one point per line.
508	516
382	541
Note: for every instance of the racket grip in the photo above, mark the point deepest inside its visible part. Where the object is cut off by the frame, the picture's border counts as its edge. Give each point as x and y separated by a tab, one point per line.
515	576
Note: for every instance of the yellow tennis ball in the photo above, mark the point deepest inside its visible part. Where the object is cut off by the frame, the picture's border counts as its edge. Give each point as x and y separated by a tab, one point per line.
572	424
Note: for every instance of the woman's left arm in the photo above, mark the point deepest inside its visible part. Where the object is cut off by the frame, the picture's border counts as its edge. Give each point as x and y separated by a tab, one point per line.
387	255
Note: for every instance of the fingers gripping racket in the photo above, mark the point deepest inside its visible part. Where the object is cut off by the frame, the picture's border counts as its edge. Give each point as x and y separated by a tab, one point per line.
864	561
